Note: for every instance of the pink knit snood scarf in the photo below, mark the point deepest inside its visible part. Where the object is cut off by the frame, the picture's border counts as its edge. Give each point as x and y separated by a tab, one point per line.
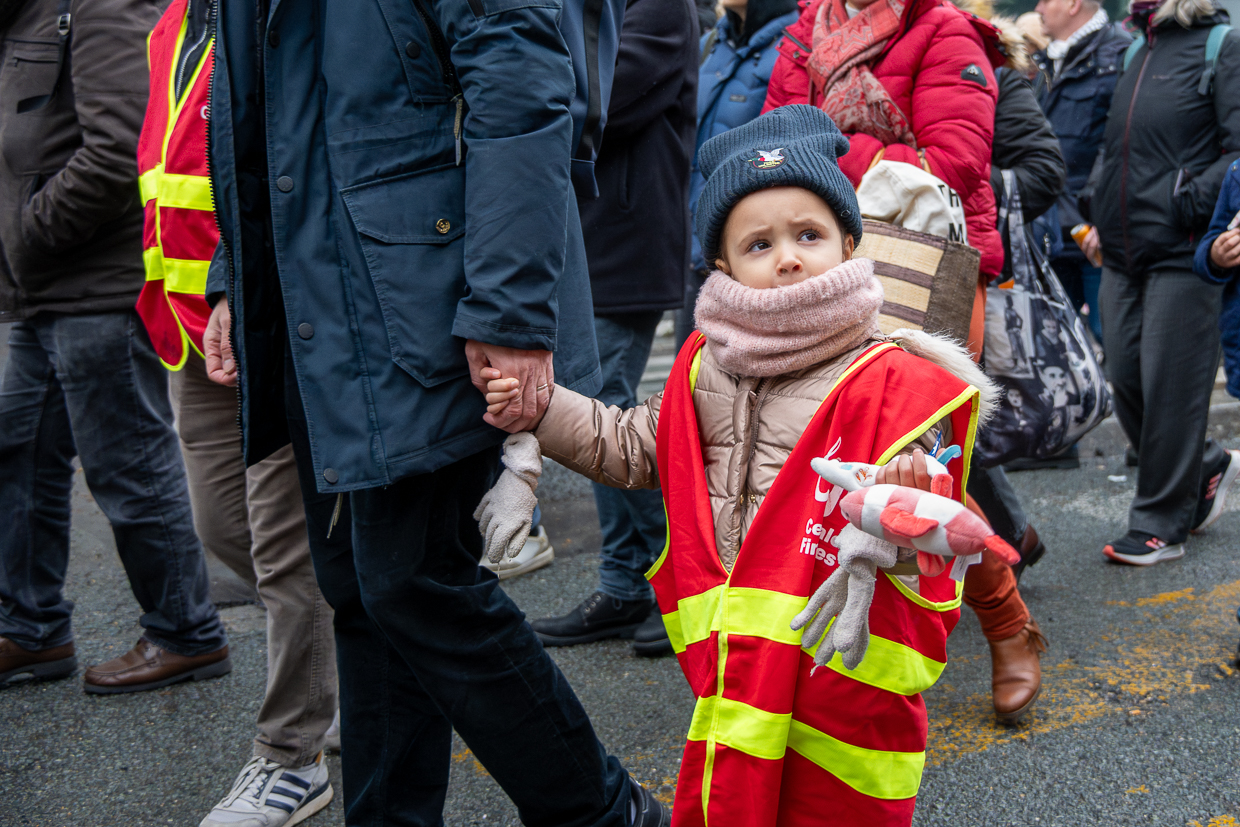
780	330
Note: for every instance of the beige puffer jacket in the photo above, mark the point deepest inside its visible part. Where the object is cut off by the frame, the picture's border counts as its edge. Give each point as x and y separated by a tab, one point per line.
748	427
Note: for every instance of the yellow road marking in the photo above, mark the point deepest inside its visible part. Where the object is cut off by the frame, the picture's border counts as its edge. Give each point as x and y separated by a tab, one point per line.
1181	637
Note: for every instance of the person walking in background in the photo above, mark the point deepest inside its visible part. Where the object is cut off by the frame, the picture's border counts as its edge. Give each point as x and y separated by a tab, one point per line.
434	140
888	71
1172	132
82	378
1076	78
637	237
738	54
1217	260
251	520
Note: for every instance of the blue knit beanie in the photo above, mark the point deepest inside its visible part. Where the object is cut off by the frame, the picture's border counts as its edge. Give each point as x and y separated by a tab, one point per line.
792	146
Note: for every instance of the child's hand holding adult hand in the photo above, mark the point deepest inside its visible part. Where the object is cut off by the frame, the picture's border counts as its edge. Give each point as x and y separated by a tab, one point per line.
1225	251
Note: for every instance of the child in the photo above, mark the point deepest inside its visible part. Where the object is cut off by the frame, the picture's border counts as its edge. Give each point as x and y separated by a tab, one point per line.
789	365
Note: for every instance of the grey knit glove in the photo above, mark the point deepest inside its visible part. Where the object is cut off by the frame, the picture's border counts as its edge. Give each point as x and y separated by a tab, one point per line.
847	593
507	511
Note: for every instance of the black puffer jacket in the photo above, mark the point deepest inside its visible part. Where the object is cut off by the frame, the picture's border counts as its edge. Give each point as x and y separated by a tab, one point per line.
70	216
637	230
1026	144
1167	148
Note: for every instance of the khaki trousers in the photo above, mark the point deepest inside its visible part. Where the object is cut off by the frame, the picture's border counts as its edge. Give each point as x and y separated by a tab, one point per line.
254	522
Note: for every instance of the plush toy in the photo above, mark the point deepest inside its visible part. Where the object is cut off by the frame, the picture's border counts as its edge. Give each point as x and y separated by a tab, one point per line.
882	518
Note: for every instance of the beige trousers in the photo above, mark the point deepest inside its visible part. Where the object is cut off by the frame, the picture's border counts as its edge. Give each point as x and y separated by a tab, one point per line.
253	521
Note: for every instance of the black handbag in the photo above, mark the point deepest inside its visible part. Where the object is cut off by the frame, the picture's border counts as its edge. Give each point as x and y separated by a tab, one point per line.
1037	350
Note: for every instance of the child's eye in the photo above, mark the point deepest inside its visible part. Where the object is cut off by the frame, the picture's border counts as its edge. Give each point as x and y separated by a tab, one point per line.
759	245
810	235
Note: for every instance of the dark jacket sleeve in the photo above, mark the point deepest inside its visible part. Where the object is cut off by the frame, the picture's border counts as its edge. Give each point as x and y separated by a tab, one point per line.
517	81
649	67
1226	208
110	79
1026	144
1196	199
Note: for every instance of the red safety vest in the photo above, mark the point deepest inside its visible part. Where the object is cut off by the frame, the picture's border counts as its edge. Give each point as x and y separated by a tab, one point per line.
180	233
769	744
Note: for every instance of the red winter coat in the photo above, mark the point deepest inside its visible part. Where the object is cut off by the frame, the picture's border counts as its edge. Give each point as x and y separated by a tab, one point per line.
925	70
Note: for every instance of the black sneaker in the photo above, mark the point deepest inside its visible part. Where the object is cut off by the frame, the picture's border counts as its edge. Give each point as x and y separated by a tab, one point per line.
1214	487
650	639
599	616
1136	548
645	810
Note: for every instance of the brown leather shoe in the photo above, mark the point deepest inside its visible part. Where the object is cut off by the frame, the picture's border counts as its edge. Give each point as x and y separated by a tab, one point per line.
1031	551
1016	672
149	666
18	665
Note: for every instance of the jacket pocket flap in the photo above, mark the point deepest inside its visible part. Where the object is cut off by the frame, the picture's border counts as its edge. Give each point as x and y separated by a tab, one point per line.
425	207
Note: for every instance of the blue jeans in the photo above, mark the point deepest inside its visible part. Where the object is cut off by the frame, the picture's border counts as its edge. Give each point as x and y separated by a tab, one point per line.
633	523
1080	281
426	642
91	386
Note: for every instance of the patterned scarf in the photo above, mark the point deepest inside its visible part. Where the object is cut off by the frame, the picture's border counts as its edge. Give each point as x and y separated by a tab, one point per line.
842	84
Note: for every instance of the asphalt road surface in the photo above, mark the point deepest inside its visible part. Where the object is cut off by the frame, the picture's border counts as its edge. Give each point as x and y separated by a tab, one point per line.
1139	721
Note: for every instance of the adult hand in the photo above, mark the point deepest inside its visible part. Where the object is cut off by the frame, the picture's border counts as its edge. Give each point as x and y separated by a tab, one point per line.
217	346
534	374
1091	246
1225	251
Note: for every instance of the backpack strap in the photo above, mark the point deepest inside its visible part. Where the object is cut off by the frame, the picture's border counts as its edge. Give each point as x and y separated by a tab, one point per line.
1213	45
1133	48
64	22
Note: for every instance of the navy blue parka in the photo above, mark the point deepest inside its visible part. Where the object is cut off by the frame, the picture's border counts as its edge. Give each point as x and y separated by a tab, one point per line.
392	177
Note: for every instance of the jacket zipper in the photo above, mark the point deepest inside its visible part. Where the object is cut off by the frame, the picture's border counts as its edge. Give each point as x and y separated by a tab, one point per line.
1123	179
440	44
760	393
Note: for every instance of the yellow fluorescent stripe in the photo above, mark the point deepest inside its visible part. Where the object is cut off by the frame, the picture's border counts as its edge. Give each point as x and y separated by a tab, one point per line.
946	606
185	276
890	666
694	367
667	544
699	614
740	726
148	182
876	773
190	192
765	614
153	260
968	393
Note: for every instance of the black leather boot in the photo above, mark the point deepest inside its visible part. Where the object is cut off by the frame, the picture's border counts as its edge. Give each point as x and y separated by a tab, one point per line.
599	616
650	639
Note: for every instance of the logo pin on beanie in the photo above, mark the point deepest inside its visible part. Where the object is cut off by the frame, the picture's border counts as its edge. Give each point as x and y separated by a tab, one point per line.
793	146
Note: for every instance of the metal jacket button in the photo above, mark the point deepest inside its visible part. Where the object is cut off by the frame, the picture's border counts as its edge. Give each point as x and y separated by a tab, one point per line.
284	184
330	475
305	330
443	225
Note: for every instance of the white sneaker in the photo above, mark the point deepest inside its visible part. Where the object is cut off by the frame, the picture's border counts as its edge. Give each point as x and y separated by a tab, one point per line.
536	553
268	795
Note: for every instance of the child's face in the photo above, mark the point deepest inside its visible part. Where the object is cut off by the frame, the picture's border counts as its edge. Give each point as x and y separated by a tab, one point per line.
780	236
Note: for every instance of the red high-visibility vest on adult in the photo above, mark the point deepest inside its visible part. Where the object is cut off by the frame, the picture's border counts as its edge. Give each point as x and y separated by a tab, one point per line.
772	743
180	232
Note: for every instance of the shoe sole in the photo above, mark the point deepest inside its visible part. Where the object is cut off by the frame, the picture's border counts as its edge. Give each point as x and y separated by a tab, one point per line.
311	805
1163	555
590	637
538	561
1013	717
36	672
202	673
1220	496
653	648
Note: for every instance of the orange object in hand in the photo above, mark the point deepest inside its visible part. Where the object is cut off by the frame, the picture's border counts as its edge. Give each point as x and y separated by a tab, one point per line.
1078	235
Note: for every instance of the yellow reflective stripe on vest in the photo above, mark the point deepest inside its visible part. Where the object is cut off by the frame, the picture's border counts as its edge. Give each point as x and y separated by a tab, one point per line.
187	192
888	665
180	275
879	773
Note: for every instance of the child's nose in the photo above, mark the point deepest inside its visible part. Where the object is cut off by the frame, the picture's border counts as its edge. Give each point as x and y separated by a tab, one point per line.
789	261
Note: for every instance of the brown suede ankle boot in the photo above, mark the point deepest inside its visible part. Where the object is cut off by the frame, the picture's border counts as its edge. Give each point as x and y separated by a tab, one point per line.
1016	672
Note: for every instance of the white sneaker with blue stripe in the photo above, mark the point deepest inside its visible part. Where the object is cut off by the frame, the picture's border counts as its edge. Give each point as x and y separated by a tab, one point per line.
268	795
